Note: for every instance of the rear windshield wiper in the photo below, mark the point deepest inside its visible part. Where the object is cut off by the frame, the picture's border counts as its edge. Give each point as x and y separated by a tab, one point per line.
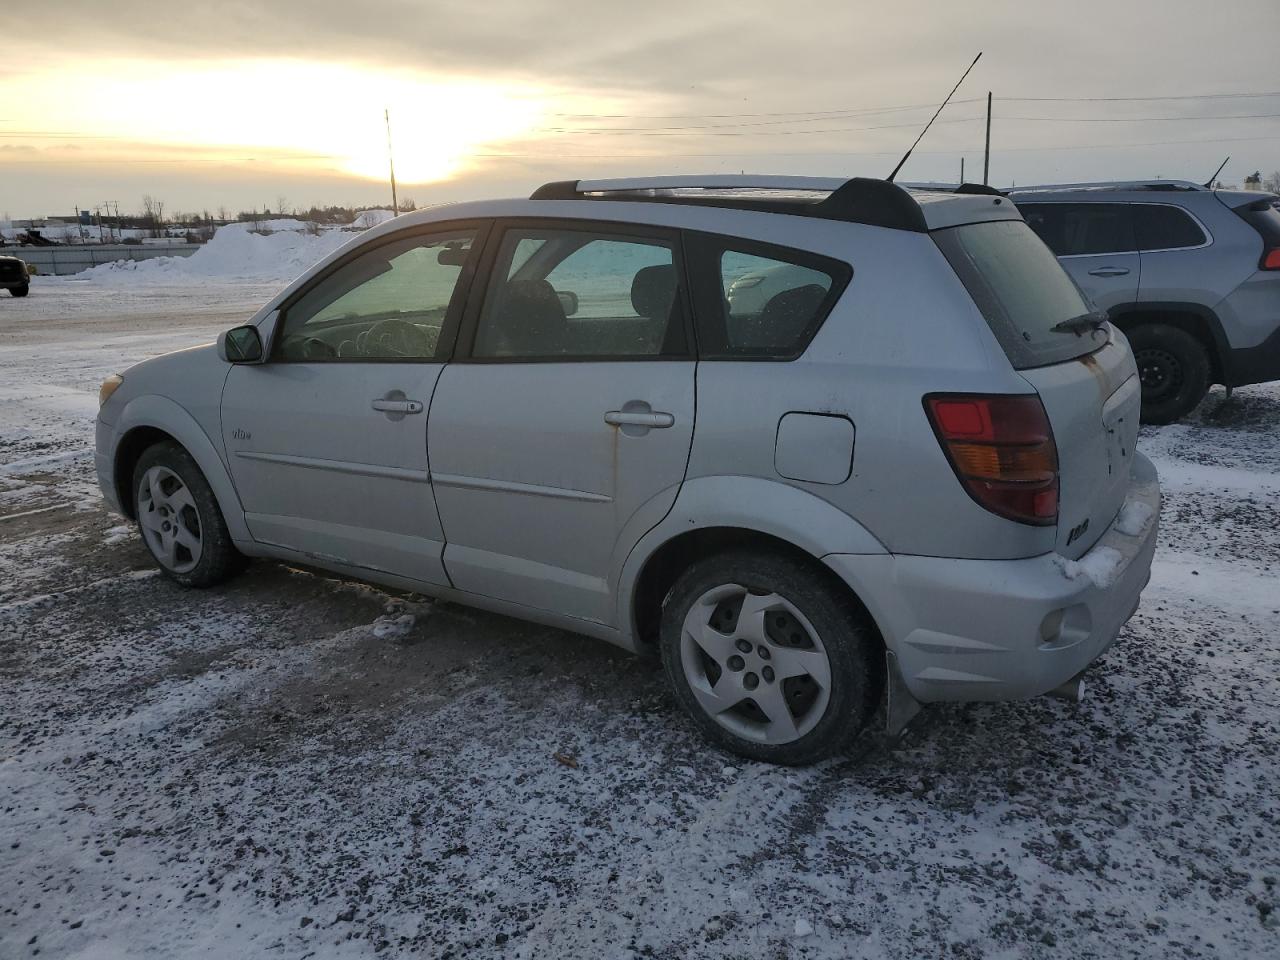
1078	325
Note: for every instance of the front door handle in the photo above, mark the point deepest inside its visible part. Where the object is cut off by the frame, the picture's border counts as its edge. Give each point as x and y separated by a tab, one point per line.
397	406
628	418
1109	272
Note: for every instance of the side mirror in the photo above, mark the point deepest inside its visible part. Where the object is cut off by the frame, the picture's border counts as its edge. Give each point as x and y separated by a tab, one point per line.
568	302
241	345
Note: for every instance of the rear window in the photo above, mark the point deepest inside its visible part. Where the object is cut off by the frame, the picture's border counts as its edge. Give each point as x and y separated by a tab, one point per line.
1162	227
1081	229
1021	289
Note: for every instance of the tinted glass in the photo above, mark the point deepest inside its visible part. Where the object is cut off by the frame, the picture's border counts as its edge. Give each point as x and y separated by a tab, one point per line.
1073	229
771	305
760	301
1161	227
1020	288
387	304
574	294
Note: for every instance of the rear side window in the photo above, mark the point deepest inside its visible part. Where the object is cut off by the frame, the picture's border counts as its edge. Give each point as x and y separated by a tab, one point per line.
1021	290
1162	227
759	301
1082	229
568	294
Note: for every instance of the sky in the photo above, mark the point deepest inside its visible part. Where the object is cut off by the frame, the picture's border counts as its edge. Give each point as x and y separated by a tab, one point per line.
234	105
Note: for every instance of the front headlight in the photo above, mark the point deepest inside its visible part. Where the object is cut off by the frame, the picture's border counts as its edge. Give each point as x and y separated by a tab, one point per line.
109	386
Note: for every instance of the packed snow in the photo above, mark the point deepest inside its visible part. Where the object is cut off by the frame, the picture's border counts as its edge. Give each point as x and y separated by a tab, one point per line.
296	765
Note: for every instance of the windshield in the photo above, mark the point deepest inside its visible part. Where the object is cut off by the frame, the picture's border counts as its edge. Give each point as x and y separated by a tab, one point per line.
1021	289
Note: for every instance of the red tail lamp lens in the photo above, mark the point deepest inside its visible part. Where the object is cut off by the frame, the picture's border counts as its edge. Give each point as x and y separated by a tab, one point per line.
1002	450
1271	260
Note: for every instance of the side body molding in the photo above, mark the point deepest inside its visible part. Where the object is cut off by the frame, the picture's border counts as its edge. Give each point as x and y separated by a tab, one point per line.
749	503
150	410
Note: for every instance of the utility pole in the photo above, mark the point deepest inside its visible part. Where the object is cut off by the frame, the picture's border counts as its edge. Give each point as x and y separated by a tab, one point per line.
962	169
986	154
391	162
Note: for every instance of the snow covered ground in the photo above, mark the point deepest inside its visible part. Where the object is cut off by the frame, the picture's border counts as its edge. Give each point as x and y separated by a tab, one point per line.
299	766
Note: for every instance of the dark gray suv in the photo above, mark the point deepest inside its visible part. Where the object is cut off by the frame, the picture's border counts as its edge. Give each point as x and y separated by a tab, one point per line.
1191	275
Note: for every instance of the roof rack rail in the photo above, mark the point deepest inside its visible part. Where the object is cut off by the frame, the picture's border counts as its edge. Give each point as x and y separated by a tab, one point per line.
1114	185
876	203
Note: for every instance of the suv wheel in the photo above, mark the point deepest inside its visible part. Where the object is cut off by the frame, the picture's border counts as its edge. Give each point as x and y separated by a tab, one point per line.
21	291
1174	370
179	519
769	661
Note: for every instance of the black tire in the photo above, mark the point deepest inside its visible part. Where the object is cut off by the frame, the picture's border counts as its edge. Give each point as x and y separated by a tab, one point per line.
1174	368
219	560
21	291
852	646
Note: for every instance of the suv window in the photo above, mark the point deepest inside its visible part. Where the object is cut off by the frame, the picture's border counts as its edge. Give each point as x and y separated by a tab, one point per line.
1081	229
387	304
767	303
1162	227
578	294
1020	288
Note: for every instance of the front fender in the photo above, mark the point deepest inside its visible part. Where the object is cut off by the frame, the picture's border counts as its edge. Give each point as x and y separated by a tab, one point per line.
770	507
161	413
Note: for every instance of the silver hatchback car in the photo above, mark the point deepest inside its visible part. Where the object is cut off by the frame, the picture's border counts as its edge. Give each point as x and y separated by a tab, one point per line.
908	474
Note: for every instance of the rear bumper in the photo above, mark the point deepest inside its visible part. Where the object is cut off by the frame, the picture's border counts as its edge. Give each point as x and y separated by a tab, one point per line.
1009	629
1259	364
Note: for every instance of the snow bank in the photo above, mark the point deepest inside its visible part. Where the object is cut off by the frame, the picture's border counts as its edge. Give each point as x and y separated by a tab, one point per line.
235	253
371	218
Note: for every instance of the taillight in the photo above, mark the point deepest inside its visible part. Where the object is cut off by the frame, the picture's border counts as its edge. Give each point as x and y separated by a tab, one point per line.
1271	259
1001	448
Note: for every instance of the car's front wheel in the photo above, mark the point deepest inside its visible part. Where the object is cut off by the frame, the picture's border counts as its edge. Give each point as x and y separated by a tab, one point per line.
180	520
21	291
770	660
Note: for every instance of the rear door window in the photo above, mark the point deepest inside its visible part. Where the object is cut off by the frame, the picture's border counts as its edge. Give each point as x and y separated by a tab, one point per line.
1161	227
1082	229
758	301
1021	290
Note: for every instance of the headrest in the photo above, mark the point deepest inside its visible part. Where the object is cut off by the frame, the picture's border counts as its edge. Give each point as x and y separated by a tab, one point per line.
653	290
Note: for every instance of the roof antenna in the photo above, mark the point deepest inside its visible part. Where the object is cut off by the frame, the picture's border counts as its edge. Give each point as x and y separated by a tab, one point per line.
935	117
1209	183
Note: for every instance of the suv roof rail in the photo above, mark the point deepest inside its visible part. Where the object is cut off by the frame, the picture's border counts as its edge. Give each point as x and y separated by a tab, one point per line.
1113	185
876	203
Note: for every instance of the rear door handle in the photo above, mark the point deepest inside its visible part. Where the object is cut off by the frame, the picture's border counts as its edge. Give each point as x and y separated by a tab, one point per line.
1109	272
397	406
627	418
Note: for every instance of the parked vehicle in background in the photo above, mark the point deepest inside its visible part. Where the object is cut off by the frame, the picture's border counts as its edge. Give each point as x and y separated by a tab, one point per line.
913	466
1191	275
14	276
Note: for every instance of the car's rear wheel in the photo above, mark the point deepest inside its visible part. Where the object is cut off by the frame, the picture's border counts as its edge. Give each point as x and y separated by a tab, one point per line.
770	660
1174	369
180	520
21	291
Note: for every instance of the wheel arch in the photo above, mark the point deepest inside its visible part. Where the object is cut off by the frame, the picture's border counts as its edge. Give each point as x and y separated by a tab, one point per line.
1194	318
148	420
714	514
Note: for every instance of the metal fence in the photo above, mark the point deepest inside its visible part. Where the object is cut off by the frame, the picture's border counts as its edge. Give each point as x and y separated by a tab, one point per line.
73	258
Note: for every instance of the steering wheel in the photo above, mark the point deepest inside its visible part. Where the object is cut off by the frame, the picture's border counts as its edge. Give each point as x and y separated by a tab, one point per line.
397	337
313	348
